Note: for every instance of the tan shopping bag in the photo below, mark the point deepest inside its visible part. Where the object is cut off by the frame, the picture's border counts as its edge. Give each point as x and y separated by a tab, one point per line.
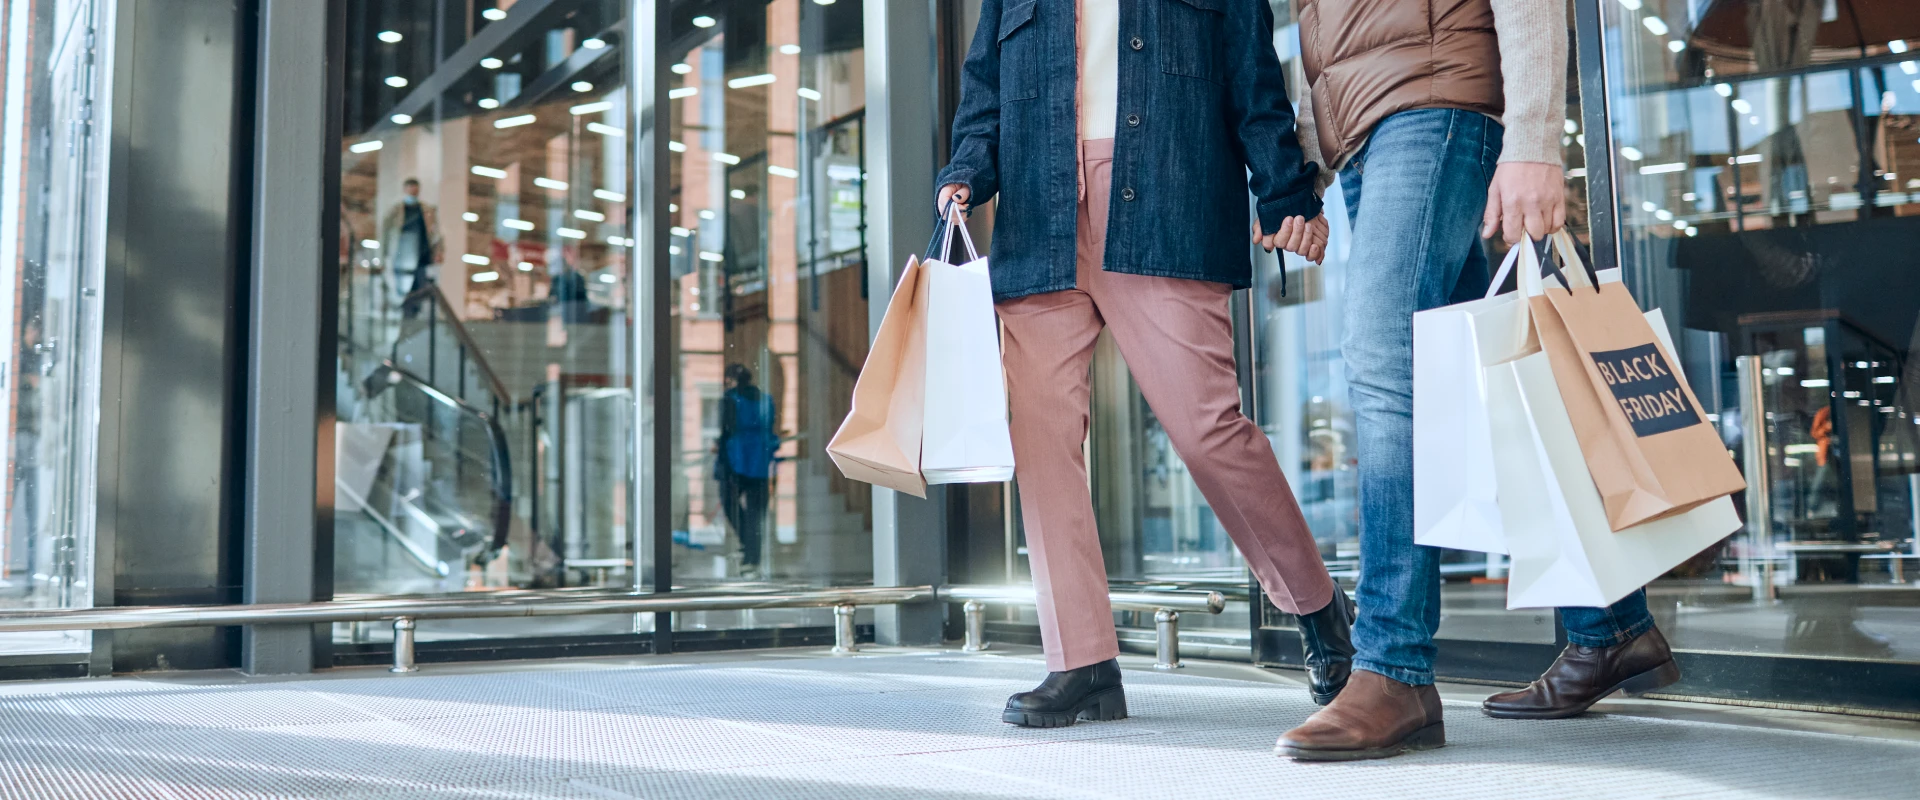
879	443
1651	449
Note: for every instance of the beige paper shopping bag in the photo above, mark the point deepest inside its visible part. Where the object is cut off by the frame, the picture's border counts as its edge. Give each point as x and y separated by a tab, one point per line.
879	443
1651	449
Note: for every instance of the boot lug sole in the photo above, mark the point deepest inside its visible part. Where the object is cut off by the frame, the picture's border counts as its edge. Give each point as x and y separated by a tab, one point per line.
1105	705
1667	674
1431	737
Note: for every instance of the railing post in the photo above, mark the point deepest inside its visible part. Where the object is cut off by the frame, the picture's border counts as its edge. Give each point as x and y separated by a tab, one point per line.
1166	623
843	644
403	645
976	618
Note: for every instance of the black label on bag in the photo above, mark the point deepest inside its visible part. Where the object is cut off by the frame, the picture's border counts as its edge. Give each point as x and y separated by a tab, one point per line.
1647	390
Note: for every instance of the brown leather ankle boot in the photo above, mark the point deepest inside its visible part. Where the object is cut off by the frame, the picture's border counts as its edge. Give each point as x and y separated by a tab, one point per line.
1582	676
1374	717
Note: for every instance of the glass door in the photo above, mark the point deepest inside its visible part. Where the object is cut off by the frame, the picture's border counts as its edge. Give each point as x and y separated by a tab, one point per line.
50	272
1766	157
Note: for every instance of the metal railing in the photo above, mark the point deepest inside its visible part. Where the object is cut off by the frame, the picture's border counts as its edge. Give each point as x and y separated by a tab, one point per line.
1165	605
406	612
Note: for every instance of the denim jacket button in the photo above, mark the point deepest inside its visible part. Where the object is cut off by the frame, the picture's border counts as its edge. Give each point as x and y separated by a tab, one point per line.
1133	120
1138	43
1127	194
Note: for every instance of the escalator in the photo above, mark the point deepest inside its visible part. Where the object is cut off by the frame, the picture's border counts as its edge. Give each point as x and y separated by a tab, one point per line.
424	471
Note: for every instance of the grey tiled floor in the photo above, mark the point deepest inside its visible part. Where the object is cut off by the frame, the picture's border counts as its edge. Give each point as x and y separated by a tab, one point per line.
908	724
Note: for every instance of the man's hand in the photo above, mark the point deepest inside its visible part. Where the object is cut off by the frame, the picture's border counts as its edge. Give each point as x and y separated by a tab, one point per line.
1297	235
1526	199
956	192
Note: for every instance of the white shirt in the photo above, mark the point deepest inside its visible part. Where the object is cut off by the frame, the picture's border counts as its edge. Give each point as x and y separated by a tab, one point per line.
1099	22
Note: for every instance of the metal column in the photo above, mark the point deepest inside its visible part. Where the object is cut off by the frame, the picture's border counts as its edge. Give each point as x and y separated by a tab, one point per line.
909	534
287	363
651	503
1753	416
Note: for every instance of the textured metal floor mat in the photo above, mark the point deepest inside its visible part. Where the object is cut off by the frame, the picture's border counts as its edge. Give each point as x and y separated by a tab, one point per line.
889	725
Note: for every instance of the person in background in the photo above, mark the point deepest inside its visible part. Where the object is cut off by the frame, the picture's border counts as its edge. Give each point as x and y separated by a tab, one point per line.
1122	149
410	243
1429	118
743	465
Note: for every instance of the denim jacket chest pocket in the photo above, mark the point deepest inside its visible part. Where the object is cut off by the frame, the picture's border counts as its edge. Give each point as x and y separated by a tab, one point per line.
1020	51
1198	26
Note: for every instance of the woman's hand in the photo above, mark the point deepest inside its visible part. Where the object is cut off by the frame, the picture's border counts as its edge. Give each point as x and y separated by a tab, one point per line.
958	193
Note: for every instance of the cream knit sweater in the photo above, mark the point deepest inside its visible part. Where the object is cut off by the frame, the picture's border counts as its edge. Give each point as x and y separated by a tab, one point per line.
1533	73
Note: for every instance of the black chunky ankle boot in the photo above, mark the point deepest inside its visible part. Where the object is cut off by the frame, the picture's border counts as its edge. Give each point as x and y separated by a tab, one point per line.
1091	692
1327	637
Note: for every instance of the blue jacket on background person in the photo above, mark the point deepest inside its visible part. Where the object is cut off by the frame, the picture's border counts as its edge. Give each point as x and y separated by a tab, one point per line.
1203	117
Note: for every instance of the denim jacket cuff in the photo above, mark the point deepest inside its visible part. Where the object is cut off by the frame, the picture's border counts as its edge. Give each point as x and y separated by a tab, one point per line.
1303	203
964	176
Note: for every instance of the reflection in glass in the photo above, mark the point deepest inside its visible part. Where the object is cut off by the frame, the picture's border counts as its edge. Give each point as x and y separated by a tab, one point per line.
484	387
769	302
51	203
1766	159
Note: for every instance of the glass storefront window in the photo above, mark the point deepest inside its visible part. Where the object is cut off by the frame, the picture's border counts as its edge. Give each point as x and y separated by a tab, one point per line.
53	115
769	298
484	387
1766	157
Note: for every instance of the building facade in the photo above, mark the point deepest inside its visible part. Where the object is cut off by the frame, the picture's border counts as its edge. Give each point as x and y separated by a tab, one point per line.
315	301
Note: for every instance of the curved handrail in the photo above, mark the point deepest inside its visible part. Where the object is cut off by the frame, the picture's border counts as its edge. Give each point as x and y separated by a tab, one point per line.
501	459
445	308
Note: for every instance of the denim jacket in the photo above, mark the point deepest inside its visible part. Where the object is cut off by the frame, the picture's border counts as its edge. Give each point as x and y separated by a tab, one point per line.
1203	118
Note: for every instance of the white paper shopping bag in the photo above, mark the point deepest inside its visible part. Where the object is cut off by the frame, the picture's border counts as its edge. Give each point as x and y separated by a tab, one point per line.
967	439
1563	550
1455	413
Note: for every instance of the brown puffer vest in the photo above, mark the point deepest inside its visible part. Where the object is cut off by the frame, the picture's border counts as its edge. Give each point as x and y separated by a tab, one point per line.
1369	59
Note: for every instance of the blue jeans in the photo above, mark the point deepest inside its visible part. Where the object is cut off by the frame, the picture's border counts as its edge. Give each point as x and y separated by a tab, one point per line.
1414	195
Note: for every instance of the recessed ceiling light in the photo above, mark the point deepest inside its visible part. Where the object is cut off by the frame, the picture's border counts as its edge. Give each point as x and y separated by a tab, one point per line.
494	14
582	86
401	119
704	21
491	63
682	69
594	43
789	49
390	37
396	81
488	102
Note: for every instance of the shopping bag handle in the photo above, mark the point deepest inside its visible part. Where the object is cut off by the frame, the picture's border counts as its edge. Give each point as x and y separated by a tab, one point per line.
1584	278
941	245
1506	268
1539	266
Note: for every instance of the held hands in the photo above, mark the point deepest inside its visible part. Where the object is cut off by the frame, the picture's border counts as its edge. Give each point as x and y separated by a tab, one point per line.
1526	199
1297	235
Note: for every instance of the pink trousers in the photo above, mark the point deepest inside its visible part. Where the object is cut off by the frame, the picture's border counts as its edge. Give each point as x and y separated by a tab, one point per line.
1177	338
